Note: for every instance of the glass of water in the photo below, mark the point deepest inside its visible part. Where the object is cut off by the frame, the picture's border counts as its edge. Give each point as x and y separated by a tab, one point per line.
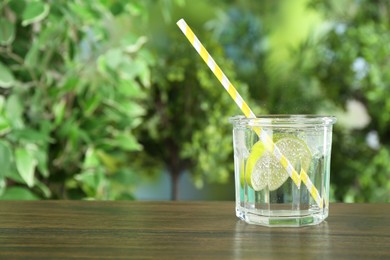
282	166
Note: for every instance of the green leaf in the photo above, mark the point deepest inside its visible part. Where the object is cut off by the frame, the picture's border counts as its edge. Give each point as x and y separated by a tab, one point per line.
113	58
81	11
14	111
132	109
92	182
145	77
133	46
34	12
29	135
7	32
88	178
5	126
102	64
7	79
5	158
130	69
43	188
18	193
25	164
17	6
135	8
14	175
91	104
42	160
31	59
110	162
59	111
2	102
127	142
3	186
91	160
129	88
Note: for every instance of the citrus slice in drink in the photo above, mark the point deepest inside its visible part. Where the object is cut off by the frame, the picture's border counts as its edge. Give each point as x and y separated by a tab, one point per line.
263	169
258	151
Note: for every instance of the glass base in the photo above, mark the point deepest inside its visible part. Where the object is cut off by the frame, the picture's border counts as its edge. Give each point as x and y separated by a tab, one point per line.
281	218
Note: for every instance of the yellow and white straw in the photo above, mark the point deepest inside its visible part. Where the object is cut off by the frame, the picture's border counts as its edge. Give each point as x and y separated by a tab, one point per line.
264	137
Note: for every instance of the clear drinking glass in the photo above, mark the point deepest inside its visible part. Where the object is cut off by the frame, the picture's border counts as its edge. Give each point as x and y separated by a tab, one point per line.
282	165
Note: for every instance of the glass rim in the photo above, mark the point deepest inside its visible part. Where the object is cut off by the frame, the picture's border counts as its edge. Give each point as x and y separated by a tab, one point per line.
291	120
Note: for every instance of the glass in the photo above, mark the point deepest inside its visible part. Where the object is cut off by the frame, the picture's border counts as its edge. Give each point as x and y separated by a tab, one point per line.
282	165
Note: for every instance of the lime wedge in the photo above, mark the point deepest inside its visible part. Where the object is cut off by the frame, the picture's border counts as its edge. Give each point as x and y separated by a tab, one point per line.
263	169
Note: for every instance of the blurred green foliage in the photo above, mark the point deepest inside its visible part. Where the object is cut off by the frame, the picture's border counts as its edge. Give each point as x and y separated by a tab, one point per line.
97	94
186	123
72	77
351	62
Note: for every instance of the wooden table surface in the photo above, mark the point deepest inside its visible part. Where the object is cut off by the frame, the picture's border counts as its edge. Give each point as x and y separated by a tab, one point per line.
183	230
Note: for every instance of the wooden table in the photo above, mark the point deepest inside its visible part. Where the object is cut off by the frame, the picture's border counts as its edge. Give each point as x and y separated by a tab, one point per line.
183	230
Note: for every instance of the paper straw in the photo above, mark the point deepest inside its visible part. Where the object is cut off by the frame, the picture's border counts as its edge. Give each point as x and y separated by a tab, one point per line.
264	137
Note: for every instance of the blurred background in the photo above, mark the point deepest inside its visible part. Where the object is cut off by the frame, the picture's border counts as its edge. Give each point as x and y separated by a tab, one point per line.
107	100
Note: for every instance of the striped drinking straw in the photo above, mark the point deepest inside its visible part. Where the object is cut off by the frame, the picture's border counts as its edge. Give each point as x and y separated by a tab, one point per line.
264	137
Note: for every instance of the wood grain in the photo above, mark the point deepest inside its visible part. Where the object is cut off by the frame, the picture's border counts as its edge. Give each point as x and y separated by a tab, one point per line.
183	230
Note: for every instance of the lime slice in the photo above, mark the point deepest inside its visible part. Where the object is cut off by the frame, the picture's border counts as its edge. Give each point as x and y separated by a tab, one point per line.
257	152
263	169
